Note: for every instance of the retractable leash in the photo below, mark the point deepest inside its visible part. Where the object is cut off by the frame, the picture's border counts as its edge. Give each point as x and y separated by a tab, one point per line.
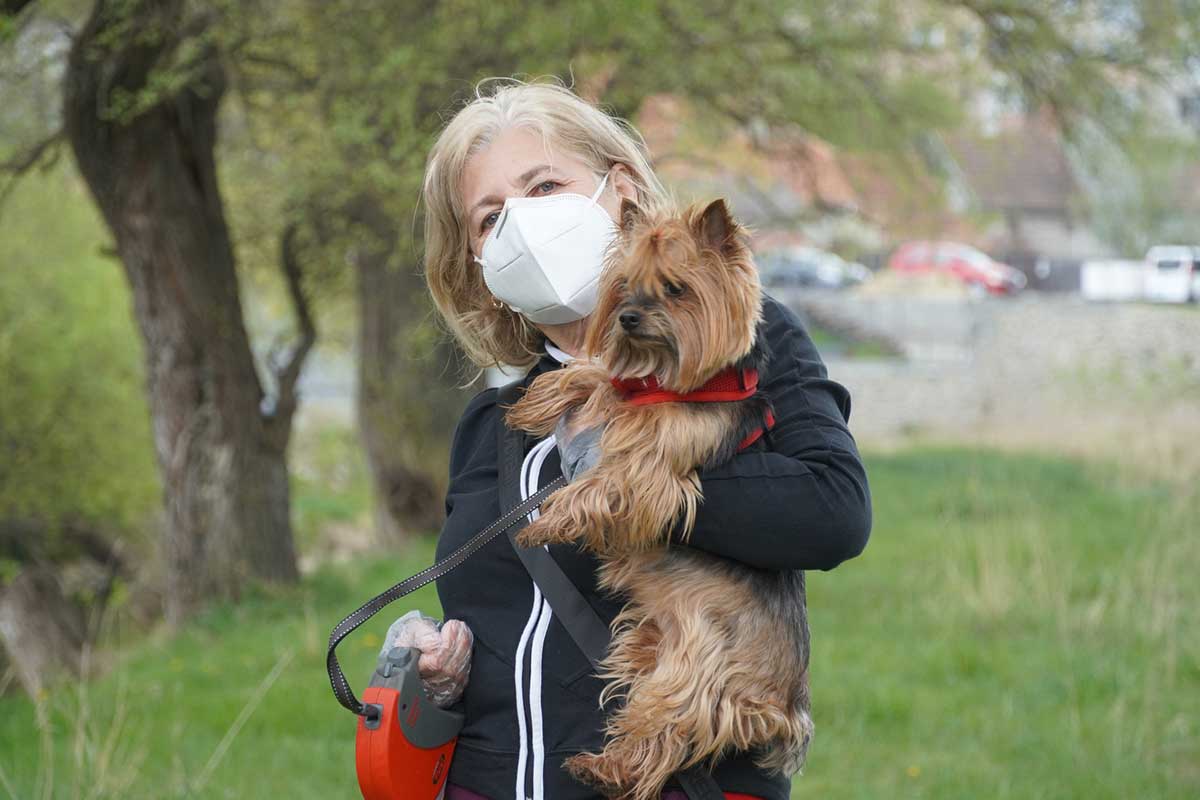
404	741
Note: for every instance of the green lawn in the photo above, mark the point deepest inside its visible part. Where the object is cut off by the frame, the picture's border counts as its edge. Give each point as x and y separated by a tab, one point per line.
1018	627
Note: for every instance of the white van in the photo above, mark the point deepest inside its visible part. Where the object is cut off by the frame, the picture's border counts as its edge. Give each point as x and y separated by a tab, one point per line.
1173	274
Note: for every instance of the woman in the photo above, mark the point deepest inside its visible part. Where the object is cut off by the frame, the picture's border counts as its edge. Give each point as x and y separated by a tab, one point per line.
530	699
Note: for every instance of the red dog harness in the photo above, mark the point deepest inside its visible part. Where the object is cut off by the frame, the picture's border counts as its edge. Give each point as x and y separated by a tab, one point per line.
728	384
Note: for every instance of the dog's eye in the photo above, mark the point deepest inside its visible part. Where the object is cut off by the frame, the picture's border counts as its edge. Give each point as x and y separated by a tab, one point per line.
672	289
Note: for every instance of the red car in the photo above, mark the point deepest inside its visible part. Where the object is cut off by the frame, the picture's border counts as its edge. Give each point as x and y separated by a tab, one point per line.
973	267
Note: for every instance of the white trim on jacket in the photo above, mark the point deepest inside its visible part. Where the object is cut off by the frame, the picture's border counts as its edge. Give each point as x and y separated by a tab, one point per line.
532	735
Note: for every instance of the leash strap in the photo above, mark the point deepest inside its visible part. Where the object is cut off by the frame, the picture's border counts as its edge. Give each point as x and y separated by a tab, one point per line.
577	616
698	784
582	622
341	689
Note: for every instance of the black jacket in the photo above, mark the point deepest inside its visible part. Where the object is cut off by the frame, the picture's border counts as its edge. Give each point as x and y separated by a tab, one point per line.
801	503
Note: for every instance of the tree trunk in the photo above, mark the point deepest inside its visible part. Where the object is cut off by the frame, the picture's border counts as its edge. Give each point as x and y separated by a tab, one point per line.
408	400
151	169
42	631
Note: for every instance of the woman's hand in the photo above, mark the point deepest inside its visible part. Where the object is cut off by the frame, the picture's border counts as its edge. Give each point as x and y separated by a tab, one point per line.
445	662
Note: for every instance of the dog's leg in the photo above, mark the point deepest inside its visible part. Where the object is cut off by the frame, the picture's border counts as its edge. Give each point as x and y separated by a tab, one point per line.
677	716
611	511
720	676
580	511
645	481
626	766
553	393
652	453
643	747
648	501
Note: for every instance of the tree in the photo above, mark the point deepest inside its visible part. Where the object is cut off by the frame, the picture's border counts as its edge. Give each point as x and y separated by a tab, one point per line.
143	85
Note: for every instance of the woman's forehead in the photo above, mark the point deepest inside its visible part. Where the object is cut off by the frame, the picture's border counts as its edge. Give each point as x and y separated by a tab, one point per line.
509	162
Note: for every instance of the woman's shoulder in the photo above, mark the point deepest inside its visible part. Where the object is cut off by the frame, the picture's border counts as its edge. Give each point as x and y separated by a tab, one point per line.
776	314
787	339
475	428
481	404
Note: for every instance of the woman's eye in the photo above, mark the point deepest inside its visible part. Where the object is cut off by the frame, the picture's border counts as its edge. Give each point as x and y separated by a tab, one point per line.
673	289
548	186
489	221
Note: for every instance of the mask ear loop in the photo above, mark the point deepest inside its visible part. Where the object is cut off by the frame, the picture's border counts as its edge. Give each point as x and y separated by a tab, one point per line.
600	188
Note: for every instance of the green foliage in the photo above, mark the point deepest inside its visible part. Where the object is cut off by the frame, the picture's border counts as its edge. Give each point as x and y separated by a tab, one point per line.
74	427
1017	627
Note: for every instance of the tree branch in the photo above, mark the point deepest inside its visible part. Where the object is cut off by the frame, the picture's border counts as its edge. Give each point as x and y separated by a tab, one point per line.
289	373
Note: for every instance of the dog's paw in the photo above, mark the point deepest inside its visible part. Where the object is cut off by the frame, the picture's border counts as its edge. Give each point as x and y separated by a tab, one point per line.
541	531
593	769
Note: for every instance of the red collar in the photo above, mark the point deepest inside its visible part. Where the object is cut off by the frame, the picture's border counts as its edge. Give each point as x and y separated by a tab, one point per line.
728	384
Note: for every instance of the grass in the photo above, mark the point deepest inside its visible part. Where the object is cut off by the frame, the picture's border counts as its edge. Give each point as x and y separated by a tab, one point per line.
170	701
1019	626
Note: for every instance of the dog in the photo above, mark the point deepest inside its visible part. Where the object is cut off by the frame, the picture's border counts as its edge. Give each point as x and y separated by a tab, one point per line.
707	654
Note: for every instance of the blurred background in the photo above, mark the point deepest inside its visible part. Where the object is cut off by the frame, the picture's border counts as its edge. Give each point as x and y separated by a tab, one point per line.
225	404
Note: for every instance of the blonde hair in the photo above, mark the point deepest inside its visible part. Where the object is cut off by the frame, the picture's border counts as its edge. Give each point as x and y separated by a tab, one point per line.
490	334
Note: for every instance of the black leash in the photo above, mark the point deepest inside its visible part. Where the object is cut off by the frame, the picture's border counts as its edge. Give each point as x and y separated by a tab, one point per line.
341	689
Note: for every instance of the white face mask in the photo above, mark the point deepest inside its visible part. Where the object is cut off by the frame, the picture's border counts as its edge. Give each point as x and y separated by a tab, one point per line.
544	254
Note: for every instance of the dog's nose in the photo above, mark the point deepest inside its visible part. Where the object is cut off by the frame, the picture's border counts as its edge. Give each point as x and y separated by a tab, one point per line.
630	319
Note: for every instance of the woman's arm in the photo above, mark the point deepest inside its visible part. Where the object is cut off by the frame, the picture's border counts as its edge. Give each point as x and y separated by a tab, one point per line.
805	503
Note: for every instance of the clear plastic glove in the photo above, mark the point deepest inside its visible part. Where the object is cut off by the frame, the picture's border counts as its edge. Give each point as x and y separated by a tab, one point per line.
578	446
445	662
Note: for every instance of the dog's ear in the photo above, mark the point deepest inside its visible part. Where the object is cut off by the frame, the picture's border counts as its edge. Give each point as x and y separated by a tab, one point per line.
716	227
631	212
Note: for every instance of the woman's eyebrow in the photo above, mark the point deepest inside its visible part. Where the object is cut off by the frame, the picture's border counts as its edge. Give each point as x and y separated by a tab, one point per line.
525	177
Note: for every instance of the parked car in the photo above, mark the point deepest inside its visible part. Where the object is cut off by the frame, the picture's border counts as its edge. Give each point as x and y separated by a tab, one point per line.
1173	274
808	266
973	267
1168	274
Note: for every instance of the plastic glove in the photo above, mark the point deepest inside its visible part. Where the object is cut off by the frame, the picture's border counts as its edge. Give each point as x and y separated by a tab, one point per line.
578	446
445	662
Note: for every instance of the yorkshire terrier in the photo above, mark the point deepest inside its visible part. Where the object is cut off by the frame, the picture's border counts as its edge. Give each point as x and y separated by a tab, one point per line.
708	654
